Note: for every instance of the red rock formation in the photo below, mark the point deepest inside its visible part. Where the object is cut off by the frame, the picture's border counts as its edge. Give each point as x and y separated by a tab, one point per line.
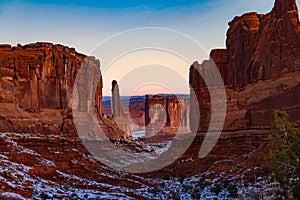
199	98
36	84
43	74
118	112
136	113
117	106
259	68
241	42
268	45
166	115
135	107
220	58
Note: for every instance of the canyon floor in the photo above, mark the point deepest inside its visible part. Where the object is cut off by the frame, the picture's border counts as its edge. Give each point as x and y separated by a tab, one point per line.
57	167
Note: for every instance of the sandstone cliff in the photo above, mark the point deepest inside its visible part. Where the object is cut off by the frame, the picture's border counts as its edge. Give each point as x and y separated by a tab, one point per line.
36	84
260	69
43	74
262	47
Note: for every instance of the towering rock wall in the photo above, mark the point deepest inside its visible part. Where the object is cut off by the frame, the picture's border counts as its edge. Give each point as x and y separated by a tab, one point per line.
43	74
260	69
166	115
262	47
200	104
36	87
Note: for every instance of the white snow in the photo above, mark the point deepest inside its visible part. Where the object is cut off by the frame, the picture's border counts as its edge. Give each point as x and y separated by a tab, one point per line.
163	189
12	195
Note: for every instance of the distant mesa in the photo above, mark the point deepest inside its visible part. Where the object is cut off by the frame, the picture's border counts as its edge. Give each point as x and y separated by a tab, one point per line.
166	115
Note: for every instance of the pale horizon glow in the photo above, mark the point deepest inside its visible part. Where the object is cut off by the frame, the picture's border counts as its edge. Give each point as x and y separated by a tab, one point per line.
156	89
123	67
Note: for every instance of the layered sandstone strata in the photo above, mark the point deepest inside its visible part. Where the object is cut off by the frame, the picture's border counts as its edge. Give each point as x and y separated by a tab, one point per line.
262	47
260	69
36	84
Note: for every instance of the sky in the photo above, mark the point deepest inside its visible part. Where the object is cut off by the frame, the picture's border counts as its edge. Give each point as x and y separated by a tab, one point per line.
87	24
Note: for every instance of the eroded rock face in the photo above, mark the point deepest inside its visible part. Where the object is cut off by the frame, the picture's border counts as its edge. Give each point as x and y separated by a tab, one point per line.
36	84
253	107
241	45
43	74
117	106
260	69
199	99
166	115
262	47
118	112
220	59
7	93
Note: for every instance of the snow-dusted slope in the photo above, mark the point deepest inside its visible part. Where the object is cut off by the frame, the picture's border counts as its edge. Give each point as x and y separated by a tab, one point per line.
56	167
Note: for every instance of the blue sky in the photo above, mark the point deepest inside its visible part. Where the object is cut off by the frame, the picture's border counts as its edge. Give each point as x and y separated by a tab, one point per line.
80	23
84	24
120	4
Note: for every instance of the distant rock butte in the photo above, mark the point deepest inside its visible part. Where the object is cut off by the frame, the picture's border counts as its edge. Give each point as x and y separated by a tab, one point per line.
36	84
166	115
260	69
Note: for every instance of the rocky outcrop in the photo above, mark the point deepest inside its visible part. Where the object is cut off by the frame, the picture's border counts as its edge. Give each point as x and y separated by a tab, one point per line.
43	74
118	112
253	107
252	38
199	99
134	106
117	106
241	45
166	115
36	84
260	69
262	47
136	111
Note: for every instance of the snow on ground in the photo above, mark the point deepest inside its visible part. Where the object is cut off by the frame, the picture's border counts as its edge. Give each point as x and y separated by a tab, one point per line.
196	187
16	175
11	195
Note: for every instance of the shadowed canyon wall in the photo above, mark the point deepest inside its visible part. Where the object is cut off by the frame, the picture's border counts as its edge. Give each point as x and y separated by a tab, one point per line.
260	68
